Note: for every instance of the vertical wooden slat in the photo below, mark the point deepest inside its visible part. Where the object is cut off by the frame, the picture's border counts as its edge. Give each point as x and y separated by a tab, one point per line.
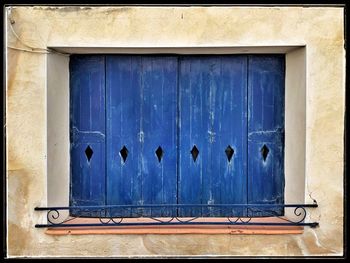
141	115
193	123
159	82
230	129
124	179
266	127
213	116
208	70
87	126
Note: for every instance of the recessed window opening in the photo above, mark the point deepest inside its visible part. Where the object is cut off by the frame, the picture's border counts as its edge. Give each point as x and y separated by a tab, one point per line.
212	131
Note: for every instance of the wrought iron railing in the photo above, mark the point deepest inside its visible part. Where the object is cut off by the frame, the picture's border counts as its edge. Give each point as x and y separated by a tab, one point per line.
108	218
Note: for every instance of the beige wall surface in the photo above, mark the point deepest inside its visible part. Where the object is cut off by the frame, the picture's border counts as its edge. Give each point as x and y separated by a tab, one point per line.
319	29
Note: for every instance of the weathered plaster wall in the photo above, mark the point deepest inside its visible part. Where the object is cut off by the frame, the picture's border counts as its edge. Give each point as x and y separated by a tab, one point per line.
320	29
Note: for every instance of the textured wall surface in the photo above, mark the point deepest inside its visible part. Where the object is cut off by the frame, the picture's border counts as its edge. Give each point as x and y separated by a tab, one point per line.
320	29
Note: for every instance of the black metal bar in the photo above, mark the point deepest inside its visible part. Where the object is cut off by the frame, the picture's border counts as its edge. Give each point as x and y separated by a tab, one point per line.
173	205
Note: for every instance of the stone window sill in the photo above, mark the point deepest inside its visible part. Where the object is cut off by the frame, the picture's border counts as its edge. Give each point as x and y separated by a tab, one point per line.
176	229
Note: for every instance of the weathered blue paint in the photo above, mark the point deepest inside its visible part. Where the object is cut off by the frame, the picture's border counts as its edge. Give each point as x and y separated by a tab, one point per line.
173	104
87	110
158	126
266	127
123	116
141	115
230	127
213	116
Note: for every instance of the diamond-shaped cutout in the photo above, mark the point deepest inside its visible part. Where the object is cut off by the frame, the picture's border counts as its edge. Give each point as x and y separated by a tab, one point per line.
159	153
229	153
88	152
264	152
124	153
194	153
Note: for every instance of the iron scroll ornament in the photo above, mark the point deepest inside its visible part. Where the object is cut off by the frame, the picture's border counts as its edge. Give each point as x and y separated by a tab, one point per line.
56	219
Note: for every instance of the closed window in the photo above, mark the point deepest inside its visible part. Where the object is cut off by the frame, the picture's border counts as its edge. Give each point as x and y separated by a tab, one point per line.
168	129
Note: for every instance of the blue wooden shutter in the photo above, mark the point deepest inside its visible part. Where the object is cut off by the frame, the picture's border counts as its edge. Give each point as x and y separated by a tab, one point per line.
87	109
159	106
213	133
266	132
123	111
216	136
141	119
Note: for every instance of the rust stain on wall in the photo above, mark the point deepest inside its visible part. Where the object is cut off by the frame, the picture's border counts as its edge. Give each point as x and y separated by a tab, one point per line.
293	248
314	247
12	58
18	239
19	183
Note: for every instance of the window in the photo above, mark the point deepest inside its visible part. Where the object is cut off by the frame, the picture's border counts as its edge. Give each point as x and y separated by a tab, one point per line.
168	129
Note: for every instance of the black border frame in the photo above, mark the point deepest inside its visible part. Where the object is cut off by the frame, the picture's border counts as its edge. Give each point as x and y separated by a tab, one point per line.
135	3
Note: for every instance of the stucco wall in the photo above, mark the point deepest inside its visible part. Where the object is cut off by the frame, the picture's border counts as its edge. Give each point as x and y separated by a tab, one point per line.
320	30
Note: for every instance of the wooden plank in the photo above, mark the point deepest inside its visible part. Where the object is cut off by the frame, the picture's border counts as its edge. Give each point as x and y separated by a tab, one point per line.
159	102
193	123
124	177
266	127
228	104
213	116
87	120
141	115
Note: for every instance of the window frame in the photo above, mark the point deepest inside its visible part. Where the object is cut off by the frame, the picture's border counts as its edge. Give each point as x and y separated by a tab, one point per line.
57	72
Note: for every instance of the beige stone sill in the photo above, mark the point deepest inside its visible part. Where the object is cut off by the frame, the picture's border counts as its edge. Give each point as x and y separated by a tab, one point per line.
177	229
